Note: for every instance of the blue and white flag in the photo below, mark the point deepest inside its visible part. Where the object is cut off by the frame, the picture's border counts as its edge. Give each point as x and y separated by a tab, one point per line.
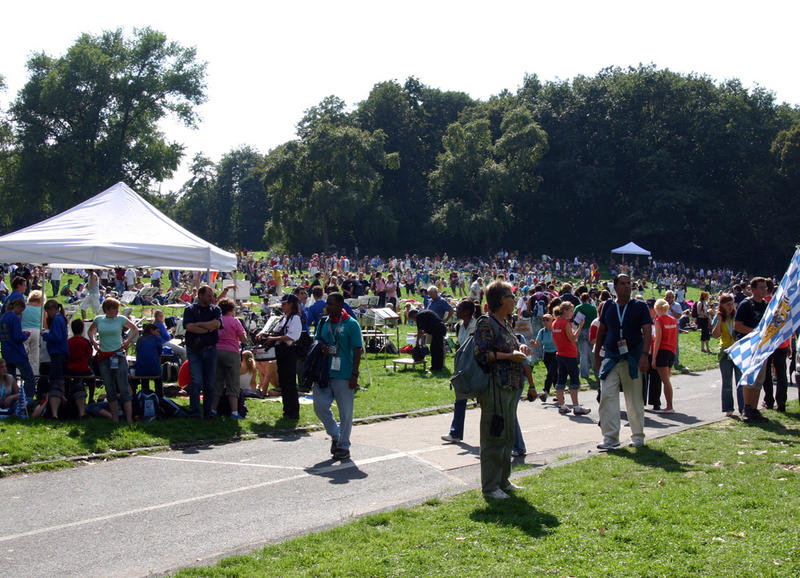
779	322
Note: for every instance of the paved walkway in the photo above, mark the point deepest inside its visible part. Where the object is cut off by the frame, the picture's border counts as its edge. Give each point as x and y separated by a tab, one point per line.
156	513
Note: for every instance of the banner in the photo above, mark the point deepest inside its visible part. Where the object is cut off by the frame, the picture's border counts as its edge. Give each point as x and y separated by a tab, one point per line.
780	321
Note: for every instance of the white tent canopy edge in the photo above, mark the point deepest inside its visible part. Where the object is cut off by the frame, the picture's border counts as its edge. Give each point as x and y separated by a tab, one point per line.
630	249
116	228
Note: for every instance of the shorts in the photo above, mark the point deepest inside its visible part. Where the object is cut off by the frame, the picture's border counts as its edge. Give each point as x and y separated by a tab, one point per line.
665	358
92	301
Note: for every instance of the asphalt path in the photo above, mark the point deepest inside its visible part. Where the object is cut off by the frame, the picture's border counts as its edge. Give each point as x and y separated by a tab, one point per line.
151	514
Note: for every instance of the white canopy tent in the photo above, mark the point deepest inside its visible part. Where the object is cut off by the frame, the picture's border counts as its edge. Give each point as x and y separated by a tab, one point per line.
631	249
116	228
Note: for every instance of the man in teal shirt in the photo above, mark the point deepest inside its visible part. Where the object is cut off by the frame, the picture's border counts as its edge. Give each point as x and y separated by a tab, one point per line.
341	335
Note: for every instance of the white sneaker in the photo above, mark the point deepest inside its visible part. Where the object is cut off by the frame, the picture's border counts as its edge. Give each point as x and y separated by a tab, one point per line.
563	410
498	494
636	443
512	487
579	410
451	439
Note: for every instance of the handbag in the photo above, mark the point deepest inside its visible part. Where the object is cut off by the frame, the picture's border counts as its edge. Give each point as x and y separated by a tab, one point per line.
262	353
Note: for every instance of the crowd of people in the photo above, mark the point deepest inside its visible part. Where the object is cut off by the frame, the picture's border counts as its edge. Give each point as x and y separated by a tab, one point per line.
611	335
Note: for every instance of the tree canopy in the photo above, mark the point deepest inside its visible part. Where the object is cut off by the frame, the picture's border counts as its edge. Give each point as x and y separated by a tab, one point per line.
691	168
89	118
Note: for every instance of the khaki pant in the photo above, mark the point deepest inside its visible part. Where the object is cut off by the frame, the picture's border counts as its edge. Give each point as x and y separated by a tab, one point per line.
609	403
496	451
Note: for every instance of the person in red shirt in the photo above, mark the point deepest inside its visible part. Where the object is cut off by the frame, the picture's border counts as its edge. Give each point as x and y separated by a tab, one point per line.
664	344
565	335
80	355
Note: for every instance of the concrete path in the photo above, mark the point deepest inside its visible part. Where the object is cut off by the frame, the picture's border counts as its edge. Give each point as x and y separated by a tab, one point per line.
156	513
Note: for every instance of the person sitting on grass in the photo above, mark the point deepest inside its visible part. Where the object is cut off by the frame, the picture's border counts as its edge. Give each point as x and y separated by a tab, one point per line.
9	390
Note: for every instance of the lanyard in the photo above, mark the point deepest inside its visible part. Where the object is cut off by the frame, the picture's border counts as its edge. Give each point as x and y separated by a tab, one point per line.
335	337
621	316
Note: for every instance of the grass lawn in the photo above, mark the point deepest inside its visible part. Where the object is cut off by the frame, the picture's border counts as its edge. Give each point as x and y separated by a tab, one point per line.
720	500
26	442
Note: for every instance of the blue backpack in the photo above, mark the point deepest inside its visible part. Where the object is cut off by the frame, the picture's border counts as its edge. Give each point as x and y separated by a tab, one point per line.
469	379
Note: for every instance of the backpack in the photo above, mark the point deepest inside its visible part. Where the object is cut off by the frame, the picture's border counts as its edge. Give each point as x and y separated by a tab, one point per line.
469	379
540	307
694	310
169	372
148	403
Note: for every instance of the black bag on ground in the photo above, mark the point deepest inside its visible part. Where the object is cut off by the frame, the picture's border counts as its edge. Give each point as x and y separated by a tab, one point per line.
171	409
419	352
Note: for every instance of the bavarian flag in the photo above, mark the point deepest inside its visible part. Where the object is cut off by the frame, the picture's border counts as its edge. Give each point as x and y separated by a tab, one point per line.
779	322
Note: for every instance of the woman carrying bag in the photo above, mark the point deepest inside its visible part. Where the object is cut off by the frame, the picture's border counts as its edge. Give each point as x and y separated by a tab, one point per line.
283	337
498	351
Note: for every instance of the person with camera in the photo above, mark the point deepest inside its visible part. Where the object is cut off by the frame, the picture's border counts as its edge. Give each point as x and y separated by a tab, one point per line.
282	338
501	355
341	335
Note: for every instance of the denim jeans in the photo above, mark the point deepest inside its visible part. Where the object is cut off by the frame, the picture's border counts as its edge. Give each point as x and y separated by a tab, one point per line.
585	356
459	415
519	443
28	379
339	390
203	370
728	370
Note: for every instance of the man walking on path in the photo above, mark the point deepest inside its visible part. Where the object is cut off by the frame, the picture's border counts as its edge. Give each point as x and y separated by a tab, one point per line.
341	335
624	332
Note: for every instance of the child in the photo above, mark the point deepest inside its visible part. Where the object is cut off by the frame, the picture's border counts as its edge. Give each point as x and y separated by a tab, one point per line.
58	348
545	339
148	354
9	390
78	363
565	336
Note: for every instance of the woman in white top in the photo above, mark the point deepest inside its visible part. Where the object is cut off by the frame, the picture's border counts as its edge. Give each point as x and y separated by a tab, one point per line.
248	371
282	337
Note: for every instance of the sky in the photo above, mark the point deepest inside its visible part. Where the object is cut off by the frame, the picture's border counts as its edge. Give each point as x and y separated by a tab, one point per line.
270	61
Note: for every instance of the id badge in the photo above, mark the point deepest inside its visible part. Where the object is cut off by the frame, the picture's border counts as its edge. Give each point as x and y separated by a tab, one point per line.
622	345
336	364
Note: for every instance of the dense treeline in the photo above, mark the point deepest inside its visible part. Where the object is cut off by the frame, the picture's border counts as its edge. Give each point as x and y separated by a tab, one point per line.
692	169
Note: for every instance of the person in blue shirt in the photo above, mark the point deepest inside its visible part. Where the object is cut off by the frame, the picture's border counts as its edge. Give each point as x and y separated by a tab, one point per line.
56	338
17	292
317	310
12	340
438	305
341	335
544	339
148	355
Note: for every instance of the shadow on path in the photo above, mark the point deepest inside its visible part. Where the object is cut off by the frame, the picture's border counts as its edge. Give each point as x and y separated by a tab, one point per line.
337	472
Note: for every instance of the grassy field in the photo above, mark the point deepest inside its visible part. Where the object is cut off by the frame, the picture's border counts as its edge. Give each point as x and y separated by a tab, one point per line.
38	444
721	500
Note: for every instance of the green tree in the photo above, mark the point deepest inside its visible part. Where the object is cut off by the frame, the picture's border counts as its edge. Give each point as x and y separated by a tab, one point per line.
322	188
89	118
481	186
